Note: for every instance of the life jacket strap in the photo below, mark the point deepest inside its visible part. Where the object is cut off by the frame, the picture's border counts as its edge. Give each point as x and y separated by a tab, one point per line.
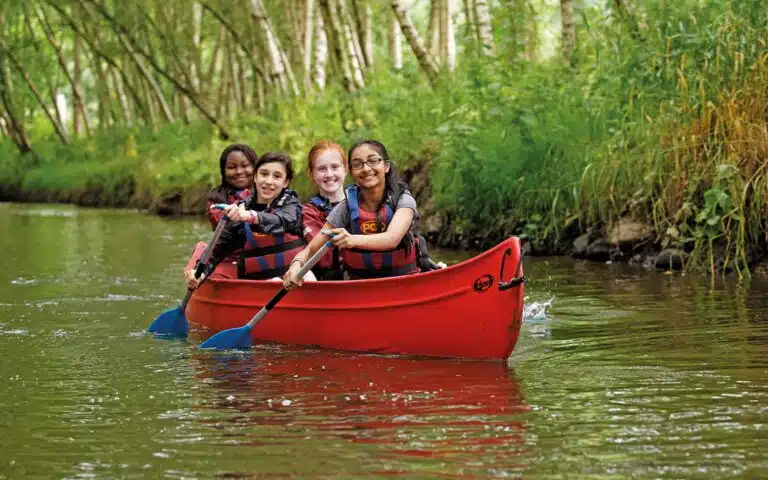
272	249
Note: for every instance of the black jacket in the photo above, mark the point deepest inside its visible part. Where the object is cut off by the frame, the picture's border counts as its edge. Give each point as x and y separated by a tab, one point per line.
282	215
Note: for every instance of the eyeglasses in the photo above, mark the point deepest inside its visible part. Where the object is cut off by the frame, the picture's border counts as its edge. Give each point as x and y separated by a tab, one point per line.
358	164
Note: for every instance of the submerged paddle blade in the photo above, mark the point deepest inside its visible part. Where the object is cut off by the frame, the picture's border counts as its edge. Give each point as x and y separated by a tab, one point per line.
230	339
170	322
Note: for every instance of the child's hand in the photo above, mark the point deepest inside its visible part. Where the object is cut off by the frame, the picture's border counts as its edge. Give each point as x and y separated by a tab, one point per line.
238	213
343	239
190	279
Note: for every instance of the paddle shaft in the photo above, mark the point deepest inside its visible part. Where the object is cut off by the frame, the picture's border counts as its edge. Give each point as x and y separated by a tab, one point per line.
204	259
283	292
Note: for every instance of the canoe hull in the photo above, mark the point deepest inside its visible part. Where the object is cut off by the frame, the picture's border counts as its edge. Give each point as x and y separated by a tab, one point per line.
459	311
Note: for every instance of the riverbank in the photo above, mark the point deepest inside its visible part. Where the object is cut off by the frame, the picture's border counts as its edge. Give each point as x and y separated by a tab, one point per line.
627	241
643	154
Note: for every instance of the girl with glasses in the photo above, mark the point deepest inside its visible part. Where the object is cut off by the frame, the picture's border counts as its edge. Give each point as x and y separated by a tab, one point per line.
374	226
327	167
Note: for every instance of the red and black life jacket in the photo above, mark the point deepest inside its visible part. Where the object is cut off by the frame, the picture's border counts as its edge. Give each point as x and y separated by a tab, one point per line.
267	256
367	263
314	214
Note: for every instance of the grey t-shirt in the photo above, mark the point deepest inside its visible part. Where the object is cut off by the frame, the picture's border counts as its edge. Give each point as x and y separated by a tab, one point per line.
339	216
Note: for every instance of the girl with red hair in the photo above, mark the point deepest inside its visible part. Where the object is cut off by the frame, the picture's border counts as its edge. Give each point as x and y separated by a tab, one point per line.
327	167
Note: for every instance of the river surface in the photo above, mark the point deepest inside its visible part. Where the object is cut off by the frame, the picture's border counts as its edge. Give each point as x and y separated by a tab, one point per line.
619	373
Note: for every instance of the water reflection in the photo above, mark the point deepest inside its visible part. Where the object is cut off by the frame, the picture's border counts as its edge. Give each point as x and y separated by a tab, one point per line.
469	412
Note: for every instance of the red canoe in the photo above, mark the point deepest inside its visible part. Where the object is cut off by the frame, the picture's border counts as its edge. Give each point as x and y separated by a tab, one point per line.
469	310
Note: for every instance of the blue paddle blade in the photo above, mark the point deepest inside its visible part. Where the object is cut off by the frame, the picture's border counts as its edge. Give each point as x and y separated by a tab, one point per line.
229	339
170	322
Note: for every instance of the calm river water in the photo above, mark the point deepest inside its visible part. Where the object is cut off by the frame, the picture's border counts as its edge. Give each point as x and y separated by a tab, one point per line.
619	373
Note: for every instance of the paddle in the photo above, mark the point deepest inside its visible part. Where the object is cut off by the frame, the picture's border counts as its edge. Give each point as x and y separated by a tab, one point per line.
173	321
240	337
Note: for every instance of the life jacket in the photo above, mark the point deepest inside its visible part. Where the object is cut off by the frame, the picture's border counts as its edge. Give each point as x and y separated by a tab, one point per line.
329	265
370	264
267	256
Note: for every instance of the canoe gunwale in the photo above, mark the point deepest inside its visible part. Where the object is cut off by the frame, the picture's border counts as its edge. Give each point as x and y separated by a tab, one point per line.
372	281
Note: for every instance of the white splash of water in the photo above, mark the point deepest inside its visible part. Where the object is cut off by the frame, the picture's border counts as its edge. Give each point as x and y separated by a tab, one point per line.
536	311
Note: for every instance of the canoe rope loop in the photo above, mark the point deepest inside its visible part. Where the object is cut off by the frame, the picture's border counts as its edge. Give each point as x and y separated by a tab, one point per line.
517	279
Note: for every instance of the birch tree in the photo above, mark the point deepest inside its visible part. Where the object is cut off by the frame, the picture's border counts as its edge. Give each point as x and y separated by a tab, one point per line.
484	29
426	61
309	34
339	47
279	67
320	53
395	42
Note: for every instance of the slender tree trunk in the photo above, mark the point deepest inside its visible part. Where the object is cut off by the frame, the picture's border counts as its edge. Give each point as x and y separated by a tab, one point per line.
150	100
212	71
278	66
237	60
425	60
111	90
78	110
309	14
433	32
76	82
14	125
260	94
251	56
222	76
395	43
100	84
469	17
363	16
62	134
321	52
353	47
127	114
295	46
236	87
194	65
336	39
367	36
447	38
484	29
48	79
569	31
158	92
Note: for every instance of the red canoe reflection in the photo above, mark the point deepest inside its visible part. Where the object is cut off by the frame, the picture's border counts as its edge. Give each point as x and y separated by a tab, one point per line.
406	407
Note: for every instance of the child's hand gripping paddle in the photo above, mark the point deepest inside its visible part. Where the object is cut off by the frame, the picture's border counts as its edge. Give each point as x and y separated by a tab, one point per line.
174	321
240	337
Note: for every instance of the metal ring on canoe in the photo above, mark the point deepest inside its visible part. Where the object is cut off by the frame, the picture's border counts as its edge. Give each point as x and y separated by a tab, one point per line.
517	279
